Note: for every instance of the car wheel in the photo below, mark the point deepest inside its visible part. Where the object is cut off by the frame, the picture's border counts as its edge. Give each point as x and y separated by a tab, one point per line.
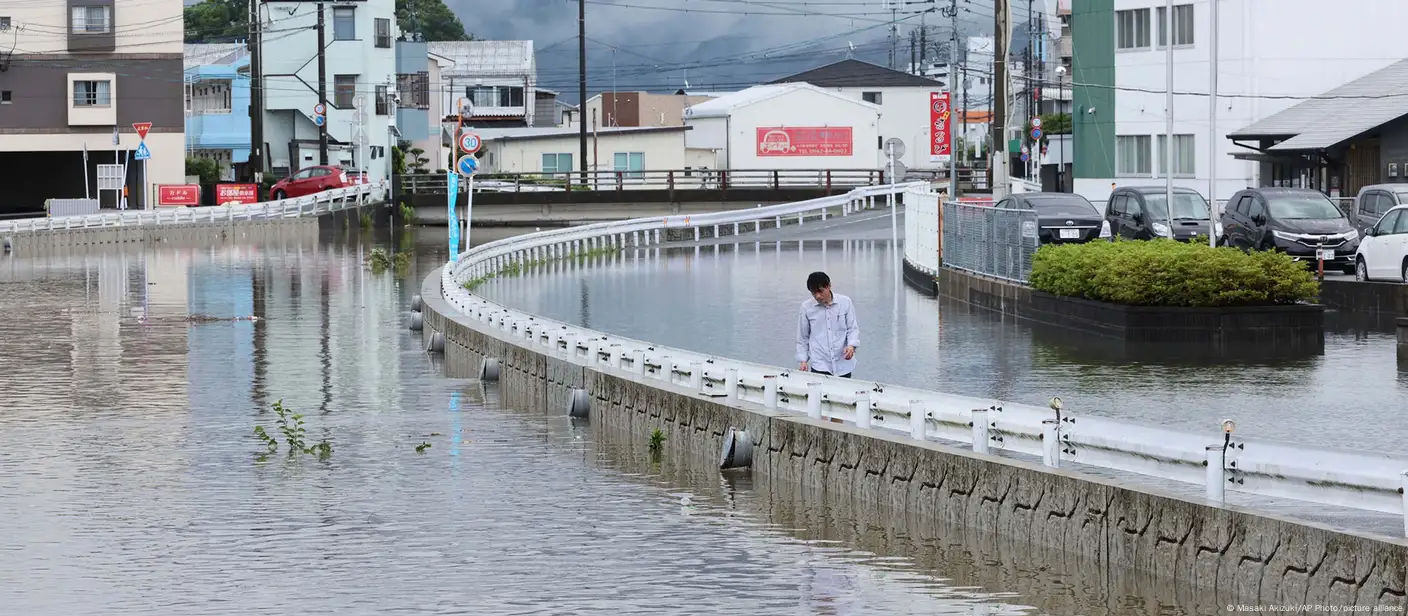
1405	271
1361	271
280	195
1222	241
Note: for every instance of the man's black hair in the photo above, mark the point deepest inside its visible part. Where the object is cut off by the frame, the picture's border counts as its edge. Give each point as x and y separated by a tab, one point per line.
818	281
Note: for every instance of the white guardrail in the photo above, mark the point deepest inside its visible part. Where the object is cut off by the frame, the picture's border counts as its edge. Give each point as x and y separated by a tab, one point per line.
1219	460
310	205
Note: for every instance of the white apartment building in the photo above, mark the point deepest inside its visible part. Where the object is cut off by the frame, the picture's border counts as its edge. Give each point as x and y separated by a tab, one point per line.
360	77
499	78
903	100
75	75
1271	55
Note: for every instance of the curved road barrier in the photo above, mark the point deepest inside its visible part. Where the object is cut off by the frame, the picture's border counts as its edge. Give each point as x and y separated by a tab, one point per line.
1005	458
327	202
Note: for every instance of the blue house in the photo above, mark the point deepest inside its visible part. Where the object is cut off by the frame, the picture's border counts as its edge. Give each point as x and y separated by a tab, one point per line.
217	104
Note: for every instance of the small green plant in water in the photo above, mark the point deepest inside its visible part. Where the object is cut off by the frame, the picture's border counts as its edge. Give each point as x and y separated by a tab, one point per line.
657	441
291	427
365	220
380	261
422	447
408	214
518	267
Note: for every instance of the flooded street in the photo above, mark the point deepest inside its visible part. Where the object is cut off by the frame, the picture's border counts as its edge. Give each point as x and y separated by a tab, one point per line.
131	481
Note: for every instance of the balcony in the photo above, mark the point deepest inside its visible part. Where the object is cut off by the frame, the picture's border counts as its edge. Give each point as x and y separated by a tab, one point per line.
90	26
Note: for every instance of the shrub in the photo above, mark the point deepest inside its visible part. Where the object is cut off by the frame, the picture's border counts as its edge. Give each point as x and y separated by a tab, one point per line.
1167	273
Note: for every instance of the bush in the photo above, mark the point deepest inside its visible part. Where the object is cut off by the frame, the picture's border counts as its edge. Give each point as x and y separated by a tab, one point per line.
1167	273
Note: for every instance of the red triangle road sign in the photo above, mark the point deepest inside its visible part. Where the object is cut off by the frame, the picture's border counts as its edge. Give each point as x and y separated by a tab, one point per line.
142	128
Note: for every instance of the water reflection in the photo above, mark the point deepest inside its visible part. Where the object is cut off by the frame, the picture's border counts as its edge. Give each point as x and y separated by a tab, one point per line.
131	484
741	300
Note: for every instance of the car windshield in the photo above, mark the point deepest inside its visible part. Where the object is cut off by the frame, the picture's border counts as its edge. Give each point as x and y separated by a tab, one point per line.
1186	206
1302	207
1062	206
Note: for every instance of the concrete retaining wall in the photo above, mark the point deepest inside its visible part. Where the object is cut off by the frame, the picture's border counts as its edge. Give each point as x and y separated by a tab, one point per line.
908	486
177	233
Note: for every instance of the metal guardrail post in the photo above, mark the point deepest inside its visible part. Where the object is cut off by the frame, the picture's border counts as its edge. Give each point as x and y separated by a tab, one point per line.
917	421
770	392
814	400
1051	443
731	383
1217	473
863	409
980	430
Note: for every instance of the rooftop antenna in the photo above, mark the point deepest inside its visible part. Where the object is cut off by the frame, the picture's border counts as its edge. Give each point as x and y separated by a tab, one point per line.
851	51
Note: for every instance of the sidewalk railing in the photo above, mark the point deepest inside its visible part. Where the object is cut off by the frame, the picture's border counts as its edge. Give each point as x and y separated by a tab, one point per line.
1216	459
654	179
993	242
311	205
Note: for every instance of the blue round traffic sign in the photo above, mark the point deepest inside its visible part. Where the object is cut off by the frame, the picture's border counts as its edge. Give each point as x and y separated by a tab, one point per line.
319	120
1036	133
1025	157
469	142
467	164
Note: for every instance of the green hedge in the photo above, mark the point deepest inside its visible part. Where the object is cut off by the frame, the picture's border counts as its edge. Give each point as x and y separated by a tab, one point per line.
1167	273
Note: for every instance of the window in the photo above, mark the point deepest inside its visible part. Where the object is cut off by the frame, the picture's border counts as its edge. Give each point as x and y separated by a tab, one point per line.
92	93
414	89
1132	29
5	97
631	162
1388	223
1182	155
383	101
557	163
4	24
344	23
1118	203
383	32
1132	155
870	97
1182	25
510	97
344	91
1402	226
92	19
495	96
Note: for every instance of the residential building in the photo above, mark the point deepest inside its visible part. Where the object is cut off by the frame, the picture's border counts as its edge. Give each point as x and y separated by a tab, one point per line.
420	114
903	99
74	77
1350	137
627	109
499	78
217	104
360	74
785	126
1270	55
556	150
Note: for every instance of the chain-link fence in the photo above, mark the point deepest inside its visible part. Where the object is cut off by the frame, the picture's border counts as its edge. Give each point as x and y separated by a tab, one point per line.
988	241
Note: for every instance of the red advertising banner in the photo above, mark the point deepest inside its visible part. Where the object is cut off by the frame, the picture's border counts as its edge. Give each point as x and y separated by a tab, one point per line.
236	193
178	194
804	141
940	126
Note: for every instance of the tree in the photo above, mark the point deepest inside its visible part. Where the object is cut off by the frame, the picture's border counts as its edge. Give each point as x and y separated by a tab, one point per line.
217	21
430	19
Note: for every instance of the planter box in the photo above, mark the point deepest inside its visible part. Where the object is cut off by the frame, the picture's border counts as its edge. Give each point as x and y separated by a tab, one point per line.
1390	298
1296	327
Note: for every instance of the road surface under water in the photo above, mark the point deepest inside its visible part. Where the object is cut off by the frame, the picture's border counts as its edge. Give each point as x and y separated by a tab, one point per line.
132	482
741	300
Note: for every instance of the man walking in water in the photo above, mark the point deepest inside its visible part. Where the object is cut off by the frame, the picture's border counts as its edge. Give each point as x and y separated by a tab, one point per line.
827	333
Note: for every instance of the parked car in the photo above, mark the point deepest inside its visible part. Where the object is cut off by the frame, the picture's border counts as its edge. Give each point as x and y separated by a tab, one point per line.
1062	218
1383	253
1297	221
310	180
1374	201
1141	213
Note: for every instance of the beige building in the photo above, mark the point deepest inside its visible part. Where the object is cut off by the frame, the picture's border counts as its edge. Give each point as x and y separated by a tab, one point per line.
638	109
75	75
557	150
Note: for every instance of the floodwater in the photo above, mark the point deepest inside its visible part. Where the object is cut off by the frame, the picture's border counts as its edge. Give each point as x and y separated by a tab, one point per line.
741	300
131	481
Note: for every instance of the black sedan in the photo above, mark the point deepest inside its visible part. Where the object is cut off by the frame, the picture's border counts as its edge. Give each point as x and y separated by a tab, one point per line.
1062	218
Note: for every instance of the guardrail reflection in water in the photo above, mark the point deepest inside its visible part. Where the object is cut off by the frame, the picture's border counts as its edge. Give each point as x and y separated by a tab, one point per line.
1216	460
993	242
311	205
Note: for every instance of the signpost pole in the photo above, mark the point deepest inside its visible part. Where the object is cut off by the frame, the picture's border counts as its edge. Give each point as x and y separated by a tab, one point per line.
452	189
468	211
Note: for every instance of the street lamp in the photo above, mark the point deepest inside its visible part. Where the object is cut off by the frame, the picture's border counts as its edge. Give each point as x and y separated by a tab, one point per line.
1060	97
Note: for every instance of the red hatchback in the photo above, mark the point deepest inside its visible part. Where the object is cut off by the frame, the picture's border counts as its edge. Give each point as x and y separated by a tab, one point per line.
310	180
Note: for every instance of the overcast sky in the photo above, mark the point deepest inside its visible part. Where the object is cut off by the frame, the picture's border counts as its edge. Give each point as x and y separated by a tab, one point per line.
723	44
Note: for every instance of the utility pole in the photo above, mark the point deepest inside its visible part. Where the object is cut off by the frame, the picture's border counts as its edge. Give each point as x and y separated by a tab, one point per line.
1028	94
322	90
998	168
952	72
913	53
1168	125
1212	126
255	167
582	84
923	44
